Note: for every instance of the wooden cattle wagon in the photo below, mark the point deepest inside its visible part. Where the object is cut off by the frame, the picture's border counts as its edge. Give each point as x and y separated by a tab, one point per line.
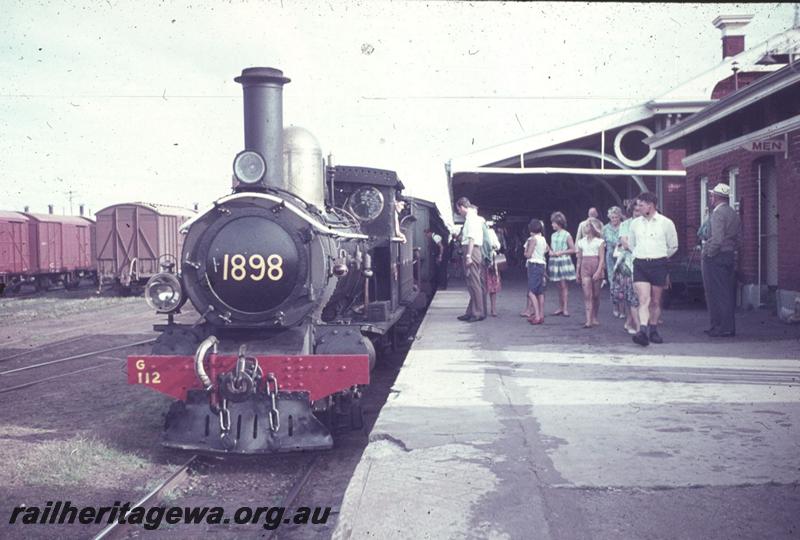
135	240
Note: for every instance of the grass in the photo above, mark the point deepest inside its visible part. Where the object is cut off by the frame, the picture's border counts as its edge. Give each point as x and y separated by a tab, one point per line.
79	461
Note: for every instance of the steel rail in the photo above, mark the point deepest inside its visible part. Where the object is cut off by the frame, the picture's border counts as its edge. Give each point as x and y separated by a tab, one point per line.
121	318
115	531
295	490
77	356
40	347
53	377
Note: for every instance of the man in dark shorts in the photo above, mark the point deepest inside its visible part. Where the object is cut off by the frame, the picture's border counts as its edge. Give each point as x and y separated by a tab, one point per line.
653	240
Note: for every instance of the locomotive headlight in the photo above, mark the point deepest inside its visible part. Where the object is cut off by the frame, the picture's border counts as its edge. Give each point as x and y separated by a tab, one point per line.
249	167
163	293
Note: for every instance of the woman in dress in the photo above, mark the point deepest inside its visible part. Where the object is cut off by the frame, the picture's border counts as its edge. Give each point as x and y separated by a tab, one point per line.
591	263
560	267
611	237
493	282
622	286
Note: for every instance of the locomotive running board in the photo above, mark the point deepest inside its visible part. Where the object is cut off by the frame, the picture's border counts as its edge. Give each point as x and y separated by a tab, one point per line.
191	425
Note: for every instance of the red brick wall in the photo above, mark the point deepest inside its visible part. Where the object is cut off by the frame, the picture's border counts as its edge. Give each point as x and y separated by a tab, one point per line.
674	194
732	45
789	212
788	173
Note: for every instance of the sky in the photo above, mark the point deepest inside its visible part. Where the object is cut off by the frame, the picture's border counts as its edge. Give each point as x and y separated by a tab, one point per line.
114	101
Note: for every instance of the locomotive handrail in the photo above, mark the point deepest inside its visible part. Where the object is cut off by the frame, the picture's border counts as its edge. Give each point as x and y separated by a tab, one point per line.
272	198
210	343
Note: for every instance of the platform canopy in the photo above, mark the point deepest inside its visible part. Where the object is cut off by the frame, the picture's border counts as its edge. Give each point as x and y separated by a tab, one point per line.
604	160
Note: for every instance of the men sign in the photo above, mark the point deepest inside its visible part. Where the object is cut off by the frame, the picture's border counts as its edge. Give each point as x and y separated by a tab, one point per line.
772	146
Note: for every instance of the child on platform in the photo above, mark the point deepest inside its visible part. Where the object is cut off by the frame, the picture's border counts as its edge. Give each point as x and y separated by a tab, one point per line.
535	249
591	262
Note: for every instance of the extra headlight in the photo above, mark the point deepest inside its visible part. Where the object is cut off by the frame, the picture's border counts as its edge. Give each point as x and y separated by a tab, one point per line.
249	167
163	293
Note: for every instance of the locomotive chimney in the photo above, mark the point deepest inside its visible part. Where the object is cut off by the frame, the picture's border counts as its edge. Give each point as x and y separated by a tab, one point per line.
27	208
80	210
263	118
49	208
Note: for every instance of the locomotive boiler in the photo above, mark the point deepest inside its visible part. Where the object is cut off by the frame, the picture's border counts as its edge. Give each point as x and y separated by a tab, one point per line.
297	275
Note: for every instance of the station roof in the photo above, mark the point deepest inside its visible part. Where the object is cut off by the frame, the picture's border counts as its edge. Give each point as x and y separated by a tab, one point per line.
760	89
546	139
701	86
688	97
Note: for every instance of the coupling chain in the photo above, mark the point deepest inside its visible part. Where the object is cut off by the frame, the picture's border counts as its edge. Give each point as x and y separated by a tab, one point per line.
224	419
274	414
246	374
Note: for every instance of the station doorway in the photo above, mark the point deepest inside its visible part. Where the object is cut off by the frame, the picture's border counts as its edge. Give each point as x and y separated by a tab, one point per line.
516	199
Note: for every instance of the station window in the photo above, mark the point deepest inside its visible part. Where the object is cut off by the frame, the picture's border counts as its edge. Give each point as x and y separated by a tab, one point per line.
733	174
703	198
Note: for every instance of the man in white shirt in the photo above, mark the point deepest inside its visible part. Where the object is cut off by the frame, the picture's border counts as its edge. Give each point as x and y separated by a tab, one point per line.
472	240
652	239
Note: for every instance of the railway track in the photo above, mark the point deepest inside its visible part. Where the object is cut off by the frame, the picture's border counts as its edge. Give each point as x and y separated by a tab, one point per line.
120	530
66	359
123	318
40	348
296	488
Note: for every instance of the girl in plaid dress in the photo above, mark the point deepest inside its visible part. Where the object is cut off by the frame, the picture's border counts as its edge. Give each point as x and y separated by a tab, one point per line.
560	267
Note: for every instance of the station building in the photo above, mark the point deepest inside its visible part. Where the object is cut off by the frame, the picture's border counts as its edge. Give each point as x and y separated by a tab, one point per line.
605	160
750	140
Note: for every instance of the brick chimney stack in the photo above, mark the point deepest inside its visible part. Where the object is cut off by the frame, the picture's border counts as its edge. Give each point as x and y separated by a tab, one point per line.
732	27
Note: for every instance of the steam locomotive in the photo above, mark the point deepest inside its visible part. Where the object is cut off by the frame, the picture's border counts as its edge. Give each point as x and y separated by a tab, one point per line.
298	275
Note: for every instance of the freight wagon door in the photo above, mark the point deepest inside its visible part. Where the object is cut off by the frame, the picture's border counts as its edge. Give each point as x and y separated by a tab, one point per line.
14	248
84	247
147	243
107	244
50	247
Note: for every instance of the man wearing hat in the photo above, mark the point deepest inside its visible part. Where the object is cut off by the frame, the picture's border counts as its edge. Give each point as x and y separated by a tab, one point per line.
719	263
471	241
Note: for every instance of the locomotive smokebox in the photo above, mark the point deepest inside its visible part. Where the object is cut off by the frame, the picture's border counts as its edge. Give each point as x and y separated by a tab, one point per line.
263	118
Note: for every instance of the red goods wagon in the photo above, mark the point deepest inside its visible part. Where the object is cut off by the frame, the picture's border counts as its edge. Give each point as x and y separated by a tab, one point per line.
61	249
15	250
134	239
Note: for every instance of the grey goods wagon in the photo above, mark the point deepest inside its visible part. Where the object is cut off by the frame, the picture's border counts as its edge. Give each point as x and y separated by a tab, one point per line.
45	249
134	241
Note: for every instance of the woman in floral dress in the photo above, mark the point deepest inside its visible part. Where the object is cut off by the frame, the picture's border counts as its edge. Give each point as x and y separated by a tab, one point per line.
611	237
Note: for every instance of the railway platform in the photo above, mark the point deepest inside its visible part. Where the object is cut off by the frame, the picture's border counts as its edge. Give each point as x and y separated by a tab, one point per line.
500	429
